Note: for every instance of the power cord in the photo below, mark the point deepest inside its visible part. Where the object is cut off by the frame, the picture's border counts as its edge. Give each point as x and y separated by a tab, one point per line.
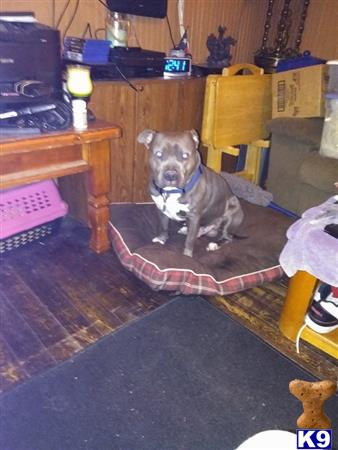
102	3
53	13
170	32
62	14
127	81
72	18
97	31
300	331
89	29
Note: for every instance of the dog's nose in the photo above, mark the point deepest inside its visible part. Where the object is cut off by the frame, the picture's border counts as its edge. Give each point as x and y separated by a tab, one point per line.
170	175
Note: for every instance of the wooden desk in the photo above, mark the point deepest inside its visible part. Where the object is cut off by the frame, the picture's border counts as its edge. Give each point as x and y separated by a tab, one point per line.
26	159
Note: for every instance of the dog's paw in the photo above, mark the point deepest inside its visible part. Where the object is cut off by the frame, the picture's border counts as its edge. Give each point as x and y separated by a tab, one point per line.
160	240
187	252
209	230
212	246
229	237
183	230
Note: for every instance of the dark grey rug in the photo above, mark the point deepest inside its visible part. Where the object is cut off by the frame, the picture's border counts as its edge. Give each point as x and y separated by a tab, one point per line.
184	377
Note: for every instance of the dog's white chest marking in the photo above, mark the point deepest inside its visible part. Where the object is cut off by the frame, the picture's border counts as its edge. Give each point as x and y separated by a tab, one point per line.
170	206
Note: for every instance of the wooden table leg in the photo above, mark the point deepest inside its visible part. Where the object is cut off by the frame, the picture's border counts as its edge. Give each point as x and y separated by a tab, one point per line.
98	156
299	295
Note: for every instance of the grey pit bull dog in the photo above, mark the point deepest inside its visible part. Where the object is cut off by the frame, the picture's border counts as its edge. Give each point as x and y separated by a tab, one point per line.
186	191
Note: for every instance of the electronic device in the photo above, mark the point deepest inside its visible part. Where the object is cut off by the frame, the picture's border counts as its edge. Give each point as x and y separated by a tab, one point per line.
176	66
128	62
30	62
88	51
135	56
137	62
146	8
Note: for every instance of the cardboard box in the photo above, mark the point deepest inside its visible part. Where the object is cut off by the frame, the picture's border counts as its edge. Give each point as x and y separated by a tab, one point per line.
300	92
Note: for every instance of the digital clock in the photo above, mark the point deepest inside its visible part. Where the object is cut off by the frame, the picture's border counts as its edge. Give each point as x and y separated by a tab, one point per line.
176	66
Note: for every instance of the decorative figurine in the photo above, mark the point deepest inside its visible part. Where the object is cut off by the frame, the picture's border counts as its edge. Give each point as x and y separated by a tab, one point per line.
219	48
184	44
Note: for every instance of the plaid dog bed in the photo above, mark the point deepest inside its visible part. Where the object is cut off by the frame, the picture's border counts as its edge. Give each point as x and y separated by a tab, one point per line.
236	266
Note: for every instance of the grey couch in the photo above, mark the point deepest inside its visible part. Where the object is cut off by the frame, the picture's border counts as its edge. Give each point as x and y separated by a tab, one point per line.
298	177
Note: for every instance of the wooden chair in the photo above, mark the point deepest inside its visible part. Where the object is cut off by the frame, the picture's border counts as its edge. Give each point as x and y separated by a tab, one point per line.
236	109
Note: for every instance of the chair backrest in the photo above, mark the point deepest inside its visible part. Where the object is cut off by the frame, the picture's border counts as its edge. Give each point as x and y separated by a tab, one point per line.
236	106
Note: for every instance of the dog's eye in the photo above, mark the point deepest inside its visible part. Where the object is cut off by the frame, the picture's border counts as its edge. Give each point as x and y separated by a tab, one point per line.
185	155
158	154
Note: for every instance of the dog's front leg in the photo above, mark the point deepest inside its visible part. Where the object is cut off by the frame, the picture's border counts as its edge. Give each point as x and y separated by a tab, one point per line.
164	226
193	228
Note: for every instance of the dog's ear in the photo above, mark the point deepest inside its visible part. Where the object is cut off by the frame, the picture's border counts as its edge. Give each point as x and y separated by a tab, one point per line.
195	137
146	137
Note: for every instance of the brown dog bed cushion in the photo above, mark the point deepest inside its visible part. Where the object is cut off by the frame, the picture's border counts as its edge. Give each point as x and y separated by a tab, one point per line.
236	266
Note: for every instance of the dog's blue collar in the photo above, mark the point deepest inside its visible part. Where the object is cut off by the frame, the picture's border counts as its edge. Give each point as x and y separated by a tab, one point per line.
191	183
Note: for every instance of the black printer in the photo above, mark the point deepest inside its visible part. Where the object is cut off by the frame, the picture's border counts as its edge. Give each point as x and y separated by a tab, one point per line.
30	62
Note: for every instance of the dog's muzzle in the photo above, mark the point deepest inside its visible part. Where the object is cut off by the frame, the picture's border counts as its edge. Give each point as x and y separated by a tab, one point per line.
170	175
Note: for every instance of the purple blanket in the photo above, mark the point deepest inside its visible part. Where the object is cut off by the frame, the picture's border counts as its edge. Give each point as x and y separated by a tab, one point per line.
310	248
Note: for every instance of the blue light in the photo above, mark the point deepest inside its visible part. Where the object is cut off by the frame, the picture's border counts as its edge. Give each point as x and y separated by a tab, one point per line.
177	65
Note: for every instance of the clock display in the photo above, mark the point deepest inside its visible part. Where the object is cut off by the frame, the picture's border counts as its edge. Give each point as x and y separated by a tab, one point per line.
176	66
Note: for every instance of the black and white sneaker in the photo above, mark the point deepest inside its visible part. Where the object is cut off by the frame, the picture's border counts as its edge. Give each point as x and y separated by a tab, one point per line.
322	315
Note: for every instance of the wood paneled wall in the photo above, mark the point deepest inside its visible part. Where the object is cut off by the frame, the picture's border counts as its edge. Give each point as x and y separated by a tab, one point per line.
244	20
321	30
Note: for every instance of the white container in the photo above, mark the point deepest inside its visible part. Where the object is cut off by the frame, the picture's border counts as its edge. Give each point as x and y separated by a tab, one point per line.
332	87
329	141
80	122
117	29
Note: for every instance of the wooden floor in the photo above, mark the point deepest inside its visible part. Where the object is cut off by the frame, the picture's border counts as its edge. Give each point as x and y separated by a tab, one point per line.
57	297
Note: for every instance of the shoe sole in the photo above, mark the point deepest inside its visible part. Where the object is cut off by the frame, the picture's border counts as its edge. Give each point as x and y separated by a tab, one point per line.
321	329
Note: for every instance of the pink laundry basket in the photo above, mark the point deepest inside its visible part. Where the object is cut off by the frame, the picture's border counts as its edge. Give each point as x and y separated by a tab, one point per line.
28	213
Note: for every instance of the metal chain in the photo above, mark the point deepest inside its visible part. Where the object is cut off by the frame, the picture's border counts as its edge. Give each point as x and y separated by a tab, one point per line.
301	26
283	29
267	25
267	56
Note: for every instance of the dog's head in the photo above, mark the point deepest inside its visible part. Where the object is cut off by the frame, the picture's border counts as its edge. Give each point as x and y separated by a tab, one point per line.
173	156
